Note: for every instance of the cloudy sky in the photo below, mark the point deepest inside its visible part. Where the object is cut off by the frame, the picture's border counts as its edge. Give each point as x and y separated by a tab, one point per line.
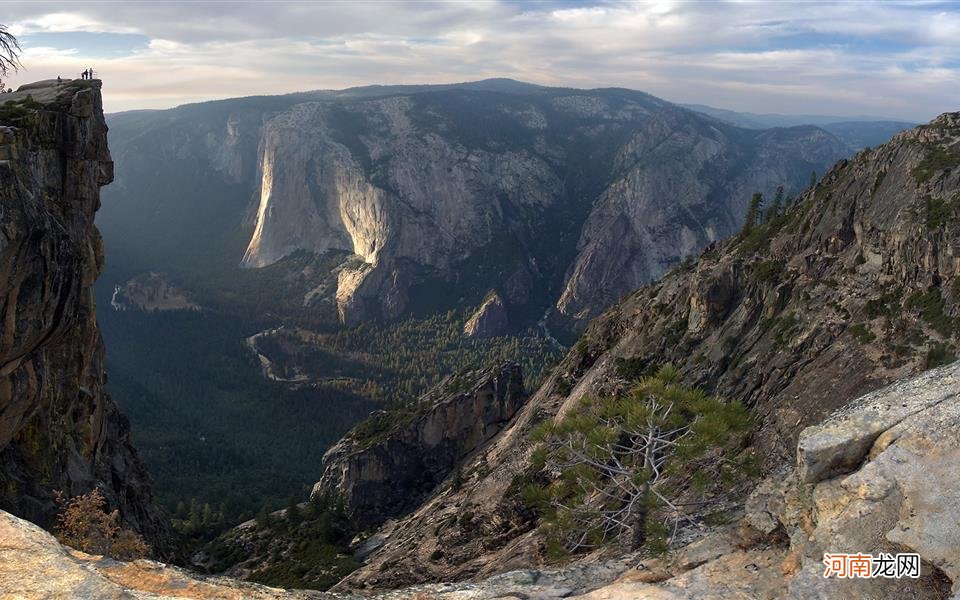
893	59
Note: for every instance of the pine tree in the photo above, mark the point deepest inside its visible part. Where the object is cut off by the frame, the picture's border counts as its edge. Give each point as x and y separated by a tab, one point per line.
293	512
753	212
264	519
773	211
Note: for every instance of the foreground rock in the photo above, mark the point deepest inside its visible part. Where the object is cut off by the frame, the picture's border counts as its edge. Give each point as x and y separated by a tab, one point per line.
59	430
33	565
898	491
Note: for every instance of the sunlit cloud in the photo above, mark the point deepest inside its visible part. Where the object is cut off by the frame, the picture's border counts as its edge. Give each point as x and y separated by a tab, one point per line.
896	59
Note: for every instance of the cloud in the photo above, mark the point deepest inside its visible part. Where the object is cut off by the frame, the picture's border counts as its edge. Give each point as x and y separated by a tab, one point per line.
898	59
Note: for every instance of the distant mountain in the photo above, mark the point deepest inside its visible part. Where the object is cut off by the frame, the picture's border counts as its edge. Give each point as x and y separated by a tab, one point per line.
856	132
559	200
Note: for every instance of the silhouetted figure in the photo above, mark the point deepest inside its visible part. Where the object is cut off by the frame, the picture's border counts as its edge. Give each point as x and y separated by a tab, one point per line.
83	74
59	81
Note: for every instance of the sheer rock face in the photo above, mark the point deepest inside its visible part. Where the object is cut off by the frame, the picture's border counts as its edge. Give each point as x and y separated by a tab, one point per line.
587	193
405	194
681	185
858	286
59	430
489	320
384	473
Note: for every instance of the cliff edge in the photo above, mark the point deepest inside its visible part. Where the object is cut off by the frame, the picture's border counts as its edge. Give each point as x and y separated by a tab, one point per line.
59	429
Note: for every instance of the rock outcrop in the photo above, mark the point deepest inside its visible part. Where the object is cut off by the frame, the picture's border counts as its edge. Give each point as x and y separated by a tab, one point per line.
389	463
36	566
489	320
59	430
151	292
854	286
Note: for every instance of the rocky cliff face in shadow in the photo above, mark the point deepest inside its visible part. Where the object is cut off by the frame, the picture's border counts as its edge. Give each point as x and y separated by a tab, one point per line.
855	285
388	464
59	430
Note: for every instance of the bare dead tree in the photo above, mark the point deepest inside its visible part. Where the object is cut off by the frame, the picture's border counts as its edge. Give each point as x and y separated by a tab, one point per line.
9	51
609	461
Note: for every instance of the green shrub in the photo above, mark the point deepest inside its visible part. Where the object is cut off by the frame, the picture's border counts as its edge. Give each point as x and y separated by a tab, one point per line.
938	355
631	368
937	159
862	333
937	212
16	111
930	304
620	458
884	305
769	271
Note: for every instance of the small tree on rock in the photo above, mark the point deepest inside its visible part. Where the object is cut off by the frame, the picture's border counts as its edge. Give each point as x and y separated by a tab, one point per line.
615	465
85	524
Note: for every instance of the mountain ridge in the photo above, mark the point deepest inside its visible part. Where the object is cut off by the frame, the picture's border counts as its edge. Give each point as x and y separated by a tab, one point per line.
369	198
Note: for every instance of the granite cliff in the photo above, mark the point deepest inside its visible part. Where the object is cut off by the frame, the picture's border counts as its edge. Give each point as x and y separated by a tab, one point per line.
435	195
59	429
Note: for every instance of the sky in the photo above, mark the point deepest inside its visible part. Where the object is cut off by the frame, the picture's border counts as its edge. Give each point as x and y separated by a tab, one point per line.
885	59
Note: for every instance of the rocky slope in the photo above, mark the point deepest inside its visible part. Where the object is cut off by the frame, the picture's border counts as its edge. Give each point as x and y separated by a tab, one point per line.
59	430
876	477
386	466
549	196
381	469
489	320
855	285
